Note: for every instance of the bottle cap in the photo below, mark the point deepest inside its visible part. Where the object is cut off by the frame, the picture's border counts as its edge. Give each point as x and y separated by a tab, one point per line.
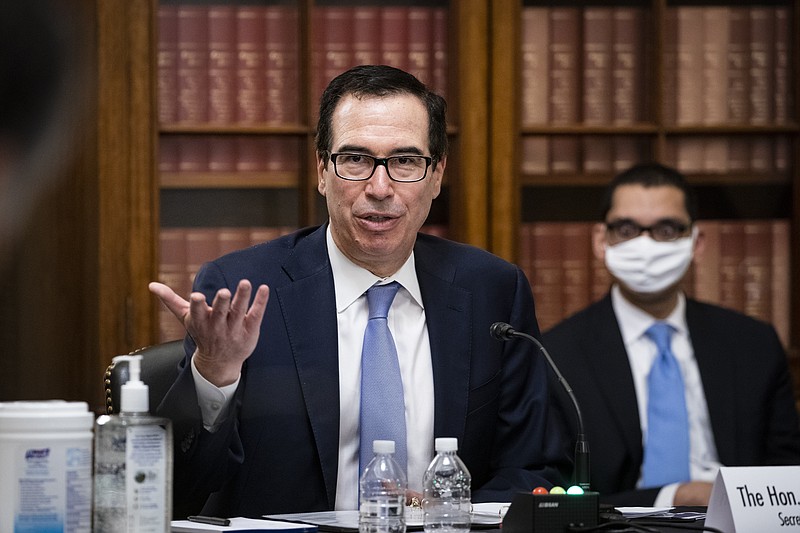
134	397
446	444
383	446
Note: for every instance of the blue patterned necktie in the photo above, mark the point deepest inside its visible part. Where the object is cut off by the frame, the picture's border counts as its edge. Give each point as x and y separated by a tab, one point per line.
383	412
666	452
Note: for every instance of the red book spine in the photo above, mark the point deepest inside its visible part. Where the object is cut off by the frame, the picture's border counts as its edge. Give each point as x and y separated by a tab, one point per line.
222	64
597	80
548	278
250	64
251	155
628	65
168	153
420	42
394	36
366	35
172	272
439	67
335	43
230	239
283	64
535	65
167	64
202	245
669	82
576	258
192	64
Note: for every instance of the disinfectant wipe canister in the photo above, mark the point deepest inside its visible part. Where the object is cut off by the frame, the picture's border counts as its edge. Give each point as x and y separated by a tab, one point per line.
45	467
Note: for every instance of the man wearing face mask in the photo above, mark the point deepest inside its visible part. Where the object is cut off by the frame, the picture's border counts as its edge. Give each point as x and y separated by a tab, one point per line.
670	388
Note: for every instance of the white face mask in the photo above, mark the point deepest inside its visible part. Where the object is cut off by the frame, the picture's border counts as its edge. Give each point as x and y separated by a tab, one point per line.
647	266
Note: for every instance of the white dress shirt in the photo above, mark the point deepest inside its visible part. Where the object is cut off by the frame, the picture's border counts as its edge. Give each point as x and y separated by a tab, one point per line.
408	326
633	323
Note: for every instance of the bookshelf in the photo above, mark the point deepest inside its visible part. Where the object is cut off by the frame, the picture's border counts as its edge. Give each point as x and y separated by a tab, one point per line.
706	86
123	191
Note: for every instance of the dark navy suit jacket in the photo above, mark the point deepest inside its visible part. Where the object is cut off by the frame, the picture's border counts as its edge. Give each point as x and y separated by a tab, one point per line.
278	452
745	378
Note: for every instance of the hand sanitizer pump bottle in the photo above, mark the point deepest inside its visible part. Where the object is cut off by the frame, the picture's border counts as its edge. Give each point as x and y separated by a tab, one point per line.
133	463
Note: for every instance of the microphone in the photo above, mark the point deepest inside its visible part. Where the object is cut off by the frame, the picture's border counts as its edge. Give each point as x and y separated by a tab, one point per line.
504	332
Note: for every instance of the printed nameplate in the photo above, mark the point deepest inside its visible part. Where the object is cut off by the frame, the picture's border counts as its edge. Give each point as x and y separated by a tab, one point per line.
755	498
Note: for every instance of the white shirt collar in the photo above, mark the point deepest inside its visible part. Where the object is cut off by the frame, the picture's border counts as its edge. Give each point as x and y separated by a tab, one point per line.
351	280
633	322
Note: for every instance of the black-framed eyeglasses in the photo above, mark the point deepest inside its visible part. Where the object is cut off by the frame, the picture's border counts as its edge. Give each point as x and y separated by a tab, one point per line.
663	231
360	167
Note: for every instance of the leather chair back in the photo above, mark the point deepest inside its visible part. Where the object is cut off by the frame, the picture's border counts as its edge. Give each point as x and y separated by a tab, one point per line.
159	371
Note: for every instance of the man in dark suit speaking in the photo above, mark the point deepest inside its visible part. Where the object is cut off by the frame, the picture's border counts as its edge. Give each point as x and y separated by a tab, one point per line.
670	388
269	410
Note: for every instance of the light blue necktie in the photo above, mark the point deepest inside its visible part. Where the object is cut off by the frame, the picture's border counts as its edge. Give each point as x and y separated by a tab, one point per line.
666	452
383	412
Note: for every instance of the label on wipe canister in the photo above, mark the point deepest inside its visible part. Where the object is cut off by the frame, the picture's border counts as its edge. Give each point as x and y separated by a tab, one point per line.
45	467
54	489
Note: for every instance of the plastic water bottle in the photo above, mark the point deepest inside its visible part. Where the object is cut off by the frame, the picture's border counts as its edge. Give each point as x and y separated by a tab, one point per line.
382	492
446	491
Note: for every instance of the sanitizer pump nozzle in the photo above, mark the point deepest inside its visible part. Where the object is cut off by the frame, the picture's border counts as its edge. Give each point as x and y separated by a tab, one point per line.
135	395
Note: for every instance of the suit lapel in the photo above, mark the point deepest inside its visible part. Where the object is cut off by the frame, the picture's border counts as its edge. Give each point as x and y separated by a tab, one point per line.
717	380
308	306
449	319
608	360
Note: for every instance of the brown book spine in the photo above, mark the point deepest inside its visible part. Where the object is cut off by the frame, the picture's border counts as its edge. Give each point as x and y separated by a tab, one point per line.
782	101
781	278
192	64
221	153
535	155
739	153
250	64
738	64
439	68
262	234
758	269
193	154
707	264
251	155
627	67
222	64
564	60
282	75
690	152
394	36
761	154
548	278
576	258
168	153
715	154
535	65
598	154
167	52
420	42
731	264
172	272
669	81
690	65
231	239
716	35
628	151
597	62
762	61
565	157
202	245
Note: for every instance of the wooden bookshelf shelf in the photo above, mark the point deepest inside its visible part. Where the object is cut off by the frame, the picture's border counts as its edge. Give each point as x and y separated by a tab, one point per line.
229	180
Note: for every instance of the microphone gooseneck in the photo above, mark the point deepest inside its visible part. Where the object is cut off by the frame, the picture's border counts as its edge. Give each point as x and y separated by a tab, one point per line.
504	332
